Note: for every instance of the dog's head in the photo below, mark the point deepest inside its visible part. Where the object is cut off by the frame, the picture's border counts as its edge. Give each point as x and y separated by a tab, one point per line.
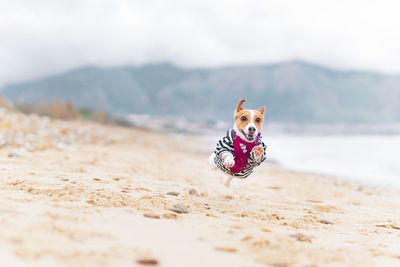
248	122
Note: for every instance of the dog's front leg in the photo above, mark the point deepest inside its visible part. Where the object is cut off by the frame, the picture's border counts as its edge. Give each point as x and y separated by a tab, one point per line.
227	159
257	153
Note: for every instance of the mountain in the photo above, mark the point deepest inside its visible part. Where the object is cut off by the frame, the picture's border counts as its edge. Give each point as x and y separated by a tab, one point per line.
292	91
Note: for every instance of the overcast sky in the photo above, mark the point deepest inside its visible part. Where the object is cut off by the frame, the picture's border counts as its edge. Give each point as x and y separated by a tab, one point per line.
41	37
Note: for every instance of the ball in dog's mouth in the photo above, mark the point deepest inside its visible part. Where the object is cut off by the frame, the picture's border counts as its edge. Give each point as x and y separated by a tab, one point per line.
249	137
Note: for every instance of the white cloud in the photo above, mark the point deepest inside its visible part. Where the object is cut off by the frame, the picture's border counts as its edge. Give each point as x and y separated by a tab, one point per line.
39	37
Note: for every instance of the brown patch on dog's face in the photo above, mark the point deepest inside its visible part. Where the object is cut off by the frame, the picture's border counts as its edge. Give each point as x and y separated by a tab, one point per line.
248	122
242	118
259	118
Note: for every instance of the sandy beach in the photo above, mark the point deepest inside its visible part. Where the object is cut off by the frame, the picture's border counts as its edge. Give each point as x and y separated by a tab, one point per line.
81	194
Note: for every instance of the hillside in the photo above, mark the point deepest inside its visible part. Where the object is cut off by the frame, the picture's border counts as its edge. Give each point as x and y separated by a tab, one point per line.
293	91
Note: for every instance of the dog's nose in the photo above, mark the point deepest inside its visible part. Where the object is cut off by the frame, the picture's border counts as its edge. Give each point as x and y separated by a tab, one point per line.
252	130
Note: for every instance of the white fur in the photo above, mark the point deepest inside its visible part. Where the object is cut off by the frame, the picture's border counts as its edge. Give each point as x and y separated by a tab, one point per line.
246	128
227	178
212	162
227	157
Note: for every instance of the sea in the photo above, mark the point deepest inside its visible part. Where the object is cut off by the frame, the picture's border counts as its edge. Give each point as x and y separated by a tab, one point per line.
368	159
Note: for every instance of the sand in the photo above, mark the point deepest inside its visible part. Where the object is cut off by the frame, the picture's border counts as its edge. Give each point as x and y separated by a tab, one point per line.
83	204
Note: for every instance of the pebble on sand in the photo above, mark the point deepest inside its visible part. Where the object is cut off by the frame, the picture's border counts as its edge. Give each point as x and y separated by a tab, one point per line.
325	222
179	209
151	215
392	226
193	191
173	193
302	237
226	249
170	215
13	155
147	261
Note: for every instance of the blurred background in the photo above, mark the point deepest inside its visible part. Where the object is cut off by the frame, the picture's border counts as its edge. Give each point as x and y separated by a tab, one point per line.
328	72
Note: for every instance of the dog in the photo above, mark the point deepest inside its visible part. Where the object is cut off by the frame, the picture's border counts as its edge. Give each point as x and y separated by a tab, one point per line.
241	149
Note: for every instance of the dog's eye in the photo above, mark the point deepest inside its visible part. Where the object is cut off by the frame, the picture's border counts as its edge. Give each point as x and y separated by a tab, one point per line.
243	118
258	120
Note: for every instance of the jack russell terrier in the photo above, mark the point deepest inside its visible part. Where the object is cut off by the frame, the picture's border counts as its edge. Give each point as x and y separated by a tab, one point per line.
241	149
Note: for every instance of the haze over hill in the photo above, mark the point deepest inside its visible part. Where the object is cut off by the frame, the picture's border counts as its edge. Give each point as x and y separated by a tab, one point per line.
292	91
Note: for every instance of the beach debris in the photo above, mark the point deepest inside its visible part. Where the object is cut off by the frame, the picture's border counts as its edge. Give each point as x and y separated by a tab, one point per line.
13	155
142	189
302	237
169	215
90	201
228	197
179	209
151	215
275	216
207	206
125	191
246	238
274	187
97	179
391	226
325	222
173	193
193	191
147	261
314	201
266	230
226	249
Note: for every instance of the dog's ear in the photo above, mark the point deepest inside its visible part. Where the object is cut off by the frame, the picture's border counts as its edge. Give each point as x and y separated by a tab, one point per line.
261	110
239	106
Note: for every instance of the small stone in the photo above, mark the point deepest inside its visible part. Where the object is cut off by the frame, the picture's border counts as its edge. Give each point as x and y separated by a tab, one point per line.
274	187
13	155
302	237
246	238
169	215
125	191
172	193
193	191
392	226
90	201
151	215
325	222
96	179
147	261
226	249
179	209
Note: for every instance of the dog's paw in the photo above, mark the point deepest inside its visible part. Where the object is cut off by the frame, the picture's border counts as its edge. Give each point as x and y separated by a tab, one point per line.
257	152
228	162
